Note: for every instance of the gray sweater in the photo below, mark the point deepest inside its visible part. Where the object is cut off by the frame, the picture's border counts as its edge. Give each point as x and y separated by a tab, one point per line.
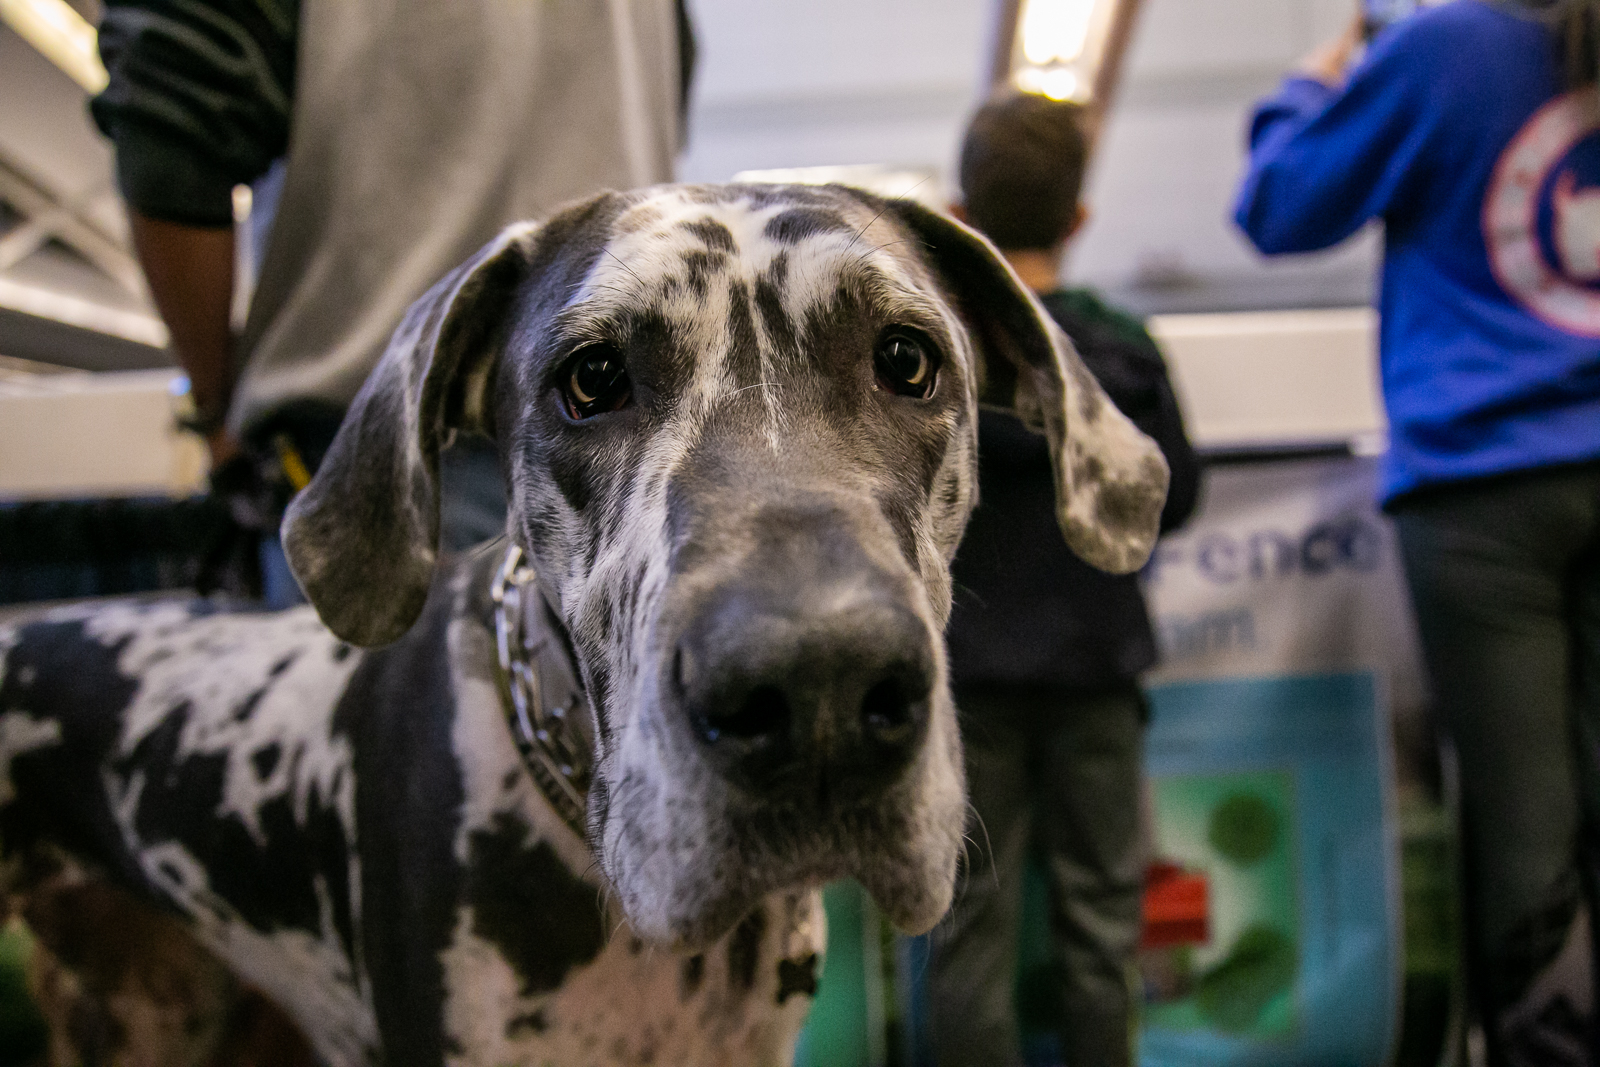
413	132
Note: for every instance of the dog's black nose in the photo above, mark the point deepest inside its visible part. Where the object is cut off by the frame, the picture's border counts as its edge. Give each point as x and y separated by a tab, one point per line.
824	694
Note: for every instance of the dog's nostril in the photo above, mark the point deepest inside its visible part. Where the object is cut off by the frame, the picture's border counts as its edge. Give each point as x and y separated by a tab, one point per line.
888	712
763	712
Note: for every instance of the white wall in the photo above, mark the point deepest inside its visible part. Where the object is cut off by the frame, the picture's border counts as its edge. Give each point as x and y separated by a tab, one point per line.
87	435
785	83
1164	177
788	83
1262	379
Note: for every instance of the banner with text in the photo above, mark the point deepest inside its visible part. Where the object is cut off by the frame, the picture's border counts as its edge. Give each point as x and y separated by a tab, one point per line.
1274	932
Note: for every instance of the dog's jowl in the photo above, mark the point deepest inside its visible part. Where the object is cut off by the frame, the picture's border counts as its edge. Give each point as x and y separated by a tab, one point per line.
568	799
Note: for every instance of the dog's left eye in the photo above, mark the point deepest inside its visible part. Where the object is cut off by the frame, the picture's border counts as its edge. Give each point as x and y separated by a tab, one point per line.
906	365
597	381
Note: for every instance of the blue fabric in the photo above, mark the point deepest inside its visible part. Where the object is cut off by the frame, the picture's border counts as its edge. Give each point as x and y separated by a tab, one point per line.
1480	375
279	590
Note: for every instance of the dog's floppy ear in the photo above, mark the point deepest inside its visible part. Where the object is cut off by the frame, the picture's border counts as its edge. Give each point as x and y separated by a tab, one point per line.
1111	480
362	538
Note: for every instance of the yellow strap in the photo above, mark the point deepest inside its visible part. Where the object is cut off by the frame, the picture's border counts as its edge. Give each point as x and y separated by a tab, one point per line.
294	467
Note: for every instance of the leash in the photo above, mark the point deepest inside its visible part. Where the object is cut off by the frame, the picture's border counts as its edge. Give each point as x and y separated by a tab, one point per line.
545	722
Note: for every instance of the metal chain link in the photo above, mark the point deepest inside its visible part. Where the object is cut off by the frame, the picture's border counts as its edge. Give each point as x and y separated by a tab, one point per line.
550	740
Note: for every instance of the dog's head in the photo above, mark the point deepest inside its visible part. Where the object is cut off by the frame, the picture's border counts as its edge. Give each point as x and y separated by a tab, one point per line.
738	425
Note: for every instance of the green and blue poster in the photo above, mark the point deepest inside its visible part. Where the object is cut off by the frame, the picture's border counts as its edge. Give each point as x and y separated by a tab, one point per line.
1274	791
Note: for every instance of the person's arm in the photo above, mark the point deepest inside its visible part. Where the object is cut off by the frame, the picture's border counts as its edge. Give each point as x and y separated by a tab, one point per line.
1135	377
1330	61
198	102
1326	158
190	271
1165	426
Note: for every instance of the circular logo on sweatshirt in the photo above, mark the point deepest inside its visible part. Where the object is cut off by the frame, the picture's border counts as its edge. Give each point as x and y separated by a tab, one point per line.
1541	217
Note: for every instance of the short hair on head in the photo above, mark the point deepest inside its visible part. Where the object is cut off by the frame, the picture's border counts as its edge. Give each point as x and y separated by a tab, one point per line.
1022	166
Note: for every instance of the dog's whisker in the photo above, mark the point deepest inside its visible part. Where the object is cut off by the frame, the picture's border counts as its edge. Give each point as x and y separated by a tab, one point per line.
865	228
625	267
746	388
862	258
879	215
907	194
988	844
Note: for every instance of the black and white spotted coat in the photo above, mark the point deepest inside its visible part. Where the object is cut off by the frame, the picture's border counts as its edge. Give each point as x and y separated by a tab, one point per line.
354	833
351	830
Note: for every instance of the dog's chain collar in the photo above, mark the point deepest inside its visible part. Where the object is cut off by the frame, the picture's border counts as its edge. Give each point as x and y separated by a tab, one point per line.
547	729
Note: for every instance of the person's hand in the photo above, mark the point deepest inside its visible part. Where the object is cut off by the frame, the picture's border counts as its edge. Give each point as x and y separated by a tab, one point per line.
1328	62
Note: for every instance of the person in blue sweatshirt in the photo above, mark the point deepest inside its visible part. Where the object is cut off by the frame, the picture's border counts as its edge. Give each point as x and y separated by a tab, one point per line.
1472	130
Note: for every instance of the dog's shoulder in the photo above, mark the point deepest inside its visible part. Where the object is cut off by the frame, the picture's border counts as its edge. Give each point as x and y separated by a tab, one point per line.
189	751
143	688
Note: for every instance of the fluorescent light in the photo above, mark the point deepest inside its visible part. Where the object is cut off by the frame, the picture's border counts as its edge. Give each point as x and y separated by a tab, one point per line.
137	326
1058	83
1056	31
61	35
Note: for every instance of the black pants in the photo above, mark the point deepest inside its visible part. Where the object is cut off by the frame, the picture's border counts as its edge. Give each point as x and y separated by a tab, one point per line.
1505	576
1061	769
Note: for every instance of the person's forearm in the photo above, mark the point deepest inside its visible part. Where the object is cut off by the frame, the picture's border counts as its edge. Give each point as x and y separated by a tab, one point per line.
190	271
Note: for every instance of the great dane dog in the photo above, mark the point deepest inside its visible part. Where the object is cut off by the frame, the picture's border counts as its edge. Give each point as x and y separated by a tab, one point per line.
566	800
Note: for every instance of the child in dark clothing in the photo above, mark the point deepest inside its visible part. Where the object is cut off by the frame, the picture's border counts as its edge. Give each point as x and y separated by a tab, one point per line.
1045	651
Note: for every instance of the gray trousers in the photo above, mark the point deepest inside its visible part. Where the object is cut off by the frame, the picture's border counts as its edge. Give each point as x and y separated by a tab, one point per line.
1060	769
1505	577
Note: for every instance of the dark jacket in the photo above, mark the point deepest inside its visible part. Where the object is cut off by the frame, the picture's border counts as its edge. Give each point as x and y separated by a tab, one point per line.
1027	611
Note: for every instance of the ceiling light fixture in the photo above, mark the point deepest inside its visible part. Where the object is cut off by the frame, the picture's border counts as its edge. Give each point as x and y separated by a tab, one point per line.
61	35
1055	31
1064	49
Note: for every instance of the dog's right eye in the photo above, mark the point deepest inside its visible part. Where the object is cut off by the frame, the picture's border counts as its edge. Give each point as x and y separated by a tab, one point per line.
906	364
597	381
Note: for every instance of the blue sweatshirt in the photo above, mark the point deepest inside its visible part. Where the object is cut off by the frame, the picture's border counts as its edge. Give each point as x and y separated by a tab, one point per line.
1455	131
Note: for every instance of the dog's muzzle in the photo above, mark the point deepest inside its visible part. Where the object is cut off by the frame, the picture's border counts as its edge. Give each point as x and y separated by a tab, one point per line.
806	676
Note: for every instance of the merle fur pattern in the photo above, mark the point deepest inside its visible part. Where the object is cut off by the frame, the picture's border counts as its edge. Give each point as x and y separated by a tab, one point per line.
348	829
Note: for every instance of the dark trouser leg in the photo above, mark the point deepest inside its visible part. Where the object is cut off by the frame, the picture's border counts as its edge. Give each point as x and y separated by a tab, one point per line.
1586	703
1492	568
1088	778
279	589
974	956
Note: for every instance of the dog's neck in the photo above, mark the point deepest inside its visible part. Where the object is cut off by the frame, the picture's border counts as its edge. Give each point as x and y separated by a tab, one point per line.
541	690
